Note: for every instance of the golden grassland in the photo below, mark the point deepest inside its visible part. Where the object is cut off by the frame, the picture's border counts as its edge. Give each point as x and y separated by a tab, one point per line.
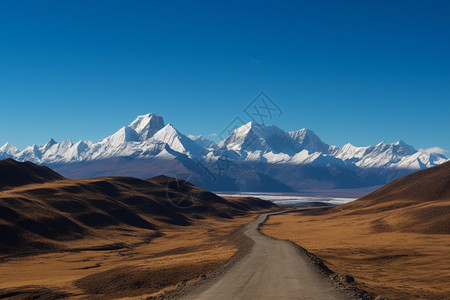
395	264
110	237
181	255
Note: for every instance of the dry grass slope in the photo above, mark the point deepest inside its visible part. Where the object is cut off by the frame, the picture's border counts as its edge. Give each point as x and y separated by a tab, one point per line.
394	241
419	203
109	236
36	216
14	174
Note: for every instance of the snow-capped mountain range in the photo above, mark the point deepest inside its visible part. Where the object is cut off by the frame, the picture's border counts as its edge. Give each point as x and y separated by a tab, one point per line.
264	154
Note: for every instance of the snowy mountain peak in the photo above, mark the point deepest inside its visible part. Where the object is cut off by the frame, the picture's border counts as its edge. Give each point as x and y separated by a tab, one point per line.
177	141
147	137
238	138
397	148
8	148
307	139
253	125
202	141
348	146
166	130
403	148
49	144
256	128
253	137
123	135
147	125
141	129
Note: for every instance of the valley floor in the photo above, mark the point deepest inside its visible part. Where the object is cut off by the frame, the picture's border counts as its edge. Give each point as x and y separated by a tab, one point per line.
124	263
392	264
271	269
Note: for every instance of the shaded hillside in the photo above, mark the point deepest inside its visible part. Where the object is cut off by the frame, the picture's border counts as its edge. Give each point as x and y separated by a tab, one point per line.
14	174
419	202
394	242
39	216
426	185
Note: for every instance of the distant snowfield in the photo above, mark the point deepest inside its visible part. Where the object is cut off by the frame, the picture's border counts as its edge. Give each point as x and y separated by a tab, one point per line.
290	199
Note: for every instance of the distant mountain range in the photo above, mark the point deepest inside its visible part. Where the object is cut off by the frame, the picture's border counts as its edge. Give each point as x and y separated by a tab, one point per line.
253	157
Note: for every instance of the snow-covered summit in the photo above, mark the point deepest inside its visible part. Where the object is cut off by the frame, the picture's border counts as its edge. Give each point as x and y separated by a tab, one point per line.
177	141
202	141
141	129
307	139
147	125
8	148
148	137
257	137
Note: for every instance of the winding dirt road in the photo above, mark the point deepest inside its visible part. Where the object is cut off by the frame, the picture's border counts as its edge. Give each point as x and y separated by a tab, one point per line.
272	269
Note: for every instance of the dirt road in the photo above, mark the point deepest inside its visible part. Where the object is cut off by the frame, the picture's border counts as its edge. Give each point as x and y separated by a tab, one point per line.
271	270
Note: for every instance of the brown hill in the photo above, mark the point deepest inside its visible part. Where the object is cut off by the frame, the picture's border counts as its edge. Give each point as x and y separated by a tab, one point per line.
41	209
394	242
419	202
13	173
427	185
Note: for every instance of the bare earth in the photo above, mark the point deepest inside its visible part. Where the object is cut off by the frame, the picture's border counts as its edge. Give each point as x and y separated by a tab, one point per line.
272	269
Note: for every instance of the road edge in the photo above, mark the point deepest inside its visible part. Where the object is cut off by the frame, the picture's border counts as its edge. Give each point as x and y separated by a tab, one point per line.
345	284
243	244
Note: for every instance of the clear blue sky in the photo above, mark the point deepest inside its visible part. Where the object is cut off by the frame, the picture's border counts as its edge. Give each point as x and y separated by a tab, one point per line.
352	71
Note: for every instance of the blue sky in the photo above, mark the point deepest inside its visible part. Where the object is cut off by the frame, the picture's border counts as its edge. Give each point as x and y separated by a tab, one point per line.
352	71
